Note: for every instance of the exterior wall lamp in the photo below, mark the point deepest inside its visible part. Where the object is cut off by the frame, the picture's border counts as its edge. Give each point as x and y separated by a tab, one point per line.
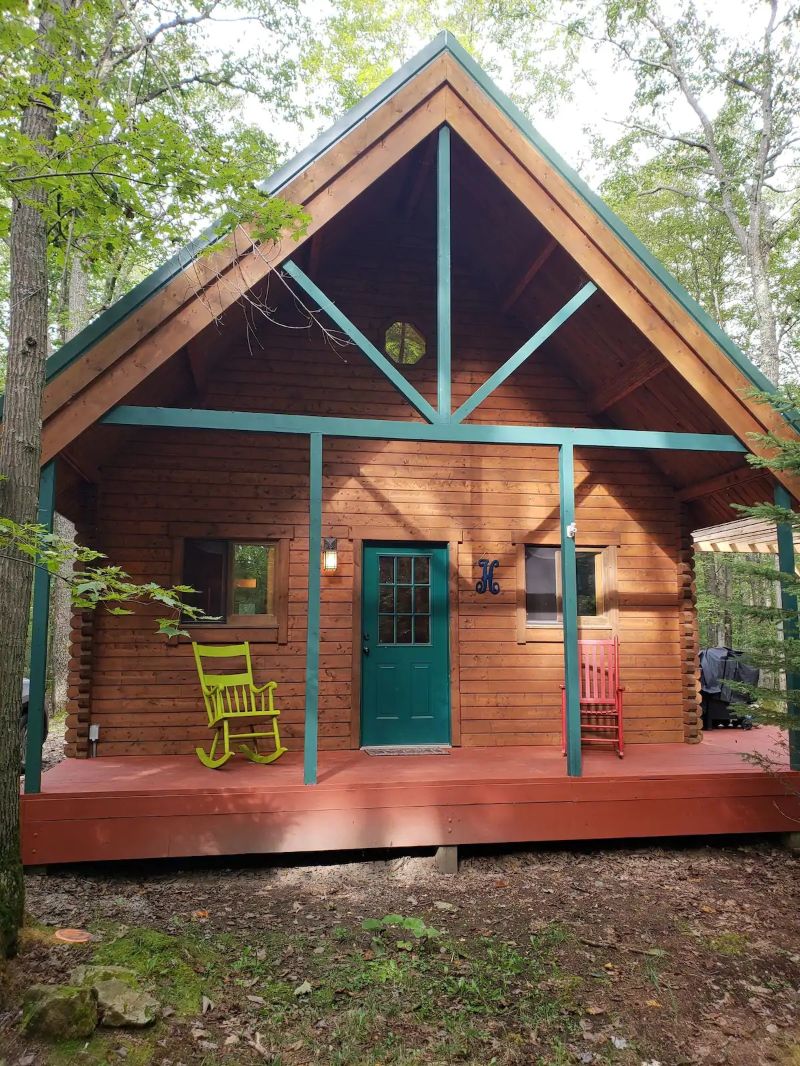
330	555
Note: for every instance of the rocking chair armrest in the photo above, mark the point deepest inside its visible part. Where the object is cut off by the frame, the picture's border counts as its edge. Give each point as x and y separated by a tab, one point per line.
210	690
258	689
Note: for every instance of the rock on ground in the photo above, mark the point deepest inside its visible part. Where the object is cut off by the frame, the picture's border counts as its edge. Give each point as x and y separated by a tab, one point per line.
122	1006
60	1012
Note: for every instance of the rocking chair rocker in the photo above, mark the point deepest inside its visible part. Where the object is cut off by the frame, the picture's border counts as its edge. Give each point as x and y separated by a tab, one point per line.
232	699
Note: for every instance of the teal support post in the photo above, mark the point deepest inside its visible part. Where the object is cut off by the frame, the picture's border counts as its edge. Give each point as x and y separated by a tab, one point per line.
444	331
387	368
569	607
528	348
41	617
787	565
312	631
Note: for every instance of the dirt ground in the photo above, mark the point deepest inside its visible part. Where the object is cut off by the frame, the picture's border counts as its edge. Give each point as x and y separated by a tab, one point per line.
679	954
53	747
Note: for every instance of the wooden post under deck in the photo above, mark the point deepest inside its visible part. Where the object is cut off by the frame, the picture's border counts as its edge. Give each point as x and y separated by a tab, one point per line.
39	631
786	562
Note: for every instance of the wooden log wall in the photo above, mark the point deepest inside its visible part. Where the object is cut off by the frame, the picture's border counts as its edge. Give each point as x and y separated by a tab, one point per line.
484	499
690	633
82	643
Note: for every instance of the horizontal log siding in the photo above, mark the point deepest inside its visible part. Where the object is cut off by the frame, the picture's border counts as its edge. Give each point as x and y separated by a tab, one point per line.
144	693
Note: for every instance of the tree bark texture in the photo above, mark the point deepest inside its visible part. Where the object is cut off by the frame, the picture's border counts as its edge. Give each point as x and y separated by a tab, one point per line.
20	446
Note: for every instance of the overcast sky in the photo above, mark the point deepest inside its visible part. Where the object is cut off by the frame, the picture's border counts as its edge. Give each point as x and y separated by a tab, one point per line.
589	108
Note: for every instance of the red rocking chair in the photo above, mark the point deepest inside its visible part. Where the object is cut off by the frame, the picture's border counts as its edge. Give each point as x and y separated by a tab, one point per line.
600	695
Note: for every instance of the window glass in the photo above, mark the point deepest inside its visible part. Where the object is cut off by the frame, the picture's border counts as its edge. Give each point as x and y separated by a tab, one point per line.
253	577
231	578
541	590
204	568
404	344
586	566
543	584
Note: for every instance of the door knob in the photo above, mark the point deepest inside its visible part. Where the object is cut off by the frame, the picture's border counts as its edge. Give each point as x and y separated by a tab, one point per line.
365	649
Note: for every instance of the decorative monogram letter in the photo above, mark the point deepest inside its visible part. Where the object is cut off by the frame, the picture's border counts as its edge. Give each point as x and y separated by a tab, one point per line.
487	582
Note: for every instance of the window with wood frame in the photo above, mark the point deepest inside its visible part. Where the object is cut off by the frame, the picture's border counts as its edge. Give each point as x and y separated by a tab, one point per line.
540	604
236	580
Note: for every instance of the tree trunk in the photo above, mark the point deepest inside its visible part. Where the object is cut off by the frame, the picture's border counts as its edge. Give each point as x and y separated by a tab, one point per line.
74	316
20	448
60	622
765	314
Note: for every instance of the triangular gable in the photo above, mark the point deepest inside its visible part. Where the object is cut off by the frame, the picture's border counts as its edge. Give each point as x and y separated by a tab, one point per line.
442	84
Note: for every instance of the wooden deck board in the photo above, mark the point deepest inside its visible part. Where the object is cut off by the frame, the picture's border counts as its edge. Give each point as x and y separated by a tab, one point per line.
145	807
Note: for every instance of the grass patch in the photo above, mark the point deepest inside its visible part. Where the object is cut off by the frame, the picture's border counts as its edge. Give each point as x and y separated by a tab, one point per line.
180	968
101	1050
444	1000
731	944
363	995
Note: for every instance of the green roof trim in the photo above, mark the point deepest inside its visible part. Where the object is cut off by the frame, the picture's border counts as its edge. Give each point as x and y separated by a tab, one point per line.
443	42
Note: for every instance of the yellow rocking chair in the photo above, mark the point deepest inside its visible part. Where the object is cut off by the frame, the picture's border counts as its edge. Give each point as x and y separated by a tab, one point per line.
231	699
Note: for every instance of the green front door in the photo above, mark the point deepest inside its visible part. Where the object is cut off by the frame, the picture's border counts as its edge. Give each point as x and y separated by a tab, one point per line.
405	683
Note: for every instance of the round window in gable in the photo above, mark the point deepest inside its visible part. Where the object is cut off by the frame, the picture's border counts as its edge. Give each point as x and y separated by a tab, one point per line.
404	344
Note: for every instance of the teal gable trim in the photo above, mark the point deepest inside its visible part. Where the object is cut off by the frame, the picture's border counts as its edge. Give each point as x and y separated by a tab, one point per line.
443	42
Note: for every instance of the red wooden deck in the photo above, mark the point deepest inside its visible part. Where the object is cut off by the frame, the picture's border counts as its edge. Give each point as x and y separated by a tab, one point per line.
139	807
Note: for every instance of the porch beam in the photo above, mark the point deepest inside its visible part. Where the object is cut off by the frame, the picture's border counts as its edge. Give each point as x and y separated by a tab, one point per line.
311	731
523	353
786	564
388	429
39	632
386	367
569	595
444	334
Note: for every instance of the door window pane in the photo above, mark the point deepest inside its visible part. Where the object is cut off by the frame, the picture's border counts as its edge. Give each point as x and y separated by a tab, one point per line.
404	599
386	569
541	592
386	598
253	578
404	629
404	570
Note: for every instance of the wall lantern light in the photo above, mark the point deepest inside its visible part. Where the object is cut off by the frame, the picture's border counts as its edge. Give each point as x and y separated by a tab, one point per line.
330	555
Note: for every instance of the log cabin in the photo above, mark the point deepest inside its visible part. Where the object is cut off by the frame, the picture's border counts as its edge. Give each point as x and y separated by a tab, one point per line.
418	458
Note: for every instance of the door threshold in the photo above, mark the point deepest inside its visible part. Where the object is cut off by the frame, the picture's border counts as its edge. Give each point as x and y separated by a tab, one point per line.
407	749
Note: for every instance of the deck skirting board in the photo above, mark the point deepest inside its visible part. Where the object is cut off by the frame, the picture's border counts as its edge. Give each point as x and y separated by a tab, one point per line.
58	828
